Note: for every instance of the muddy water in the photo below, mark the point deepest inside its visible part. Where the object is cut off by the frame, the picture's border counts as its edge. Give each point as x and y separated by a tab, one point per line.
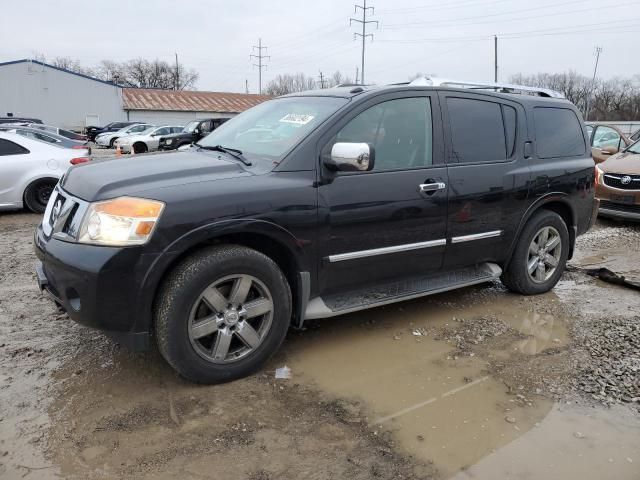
441	406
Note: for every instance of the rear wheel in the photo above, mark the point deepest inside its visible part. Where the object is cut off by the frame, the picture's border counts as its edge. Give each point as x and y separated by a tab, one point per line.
36	196
222	313
540	255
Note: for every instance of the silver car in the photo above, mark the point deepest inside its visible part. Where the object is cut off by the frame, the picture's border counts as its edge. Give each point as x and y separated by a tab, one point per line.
146	141
108	139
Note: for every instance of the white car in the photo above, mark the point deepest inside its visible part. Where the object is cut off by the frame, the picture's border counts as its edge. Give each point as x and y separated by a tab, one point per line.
30	169
146	141
108	139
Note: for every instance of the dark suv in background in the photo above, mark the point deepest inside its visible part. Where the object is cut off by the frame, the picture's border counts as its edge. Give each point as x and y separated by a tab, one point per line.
318	204
192	132
93	132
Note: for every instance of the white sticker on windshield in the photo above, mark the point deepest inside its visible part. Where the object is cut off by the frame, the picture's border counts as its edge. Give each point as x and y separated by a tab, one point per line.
297	118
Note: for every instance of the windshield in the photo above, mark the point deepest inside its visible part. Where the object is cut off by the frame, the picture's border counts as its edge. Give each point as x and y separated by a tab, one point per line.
271	129
191	126
634	148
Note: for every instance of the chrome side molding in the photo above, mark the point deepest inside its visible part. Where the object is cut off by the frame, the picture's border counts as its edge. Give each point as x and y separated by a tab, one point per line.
386	250
476	236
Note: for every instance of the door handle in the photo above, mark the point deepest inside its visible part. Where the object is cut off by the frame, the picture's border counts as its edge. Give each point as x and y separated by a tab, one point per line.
431	188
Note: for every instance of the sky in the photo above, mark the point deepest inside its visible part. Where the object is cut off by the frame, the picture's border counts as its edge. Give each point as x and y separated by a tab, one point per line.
451	39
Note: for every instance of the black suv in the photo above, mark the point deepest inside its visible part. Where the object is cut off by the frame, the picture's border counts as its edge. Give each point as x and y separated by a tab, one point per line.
192	132
313	205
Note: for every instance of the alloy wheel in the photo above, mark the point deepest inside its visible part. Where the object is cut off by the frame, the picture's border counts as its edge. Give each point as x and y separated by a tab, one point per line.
230	318
544	254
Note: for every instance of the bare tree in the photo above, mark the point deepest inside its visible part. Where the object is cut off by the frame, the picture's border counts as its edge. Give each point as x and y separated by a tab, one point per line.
138	72
615	99
299	82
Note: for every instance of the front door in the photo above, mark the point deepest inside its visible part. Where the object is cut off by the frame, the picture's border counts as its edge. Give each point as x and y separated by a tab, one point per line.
388	223
13	164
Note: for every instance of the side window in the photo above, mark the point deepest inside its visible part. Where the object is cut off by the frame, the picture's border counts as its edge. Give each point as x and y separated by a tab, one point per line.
400	131
558	133
205	127
10	148
606	137
162	131
589	130
510	122
176	129
477	131
138	128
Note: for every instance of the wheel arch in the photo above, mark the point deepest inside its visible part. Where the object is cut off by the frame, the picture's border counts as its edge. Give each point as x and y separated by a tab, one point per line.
556	202
265	237
31	180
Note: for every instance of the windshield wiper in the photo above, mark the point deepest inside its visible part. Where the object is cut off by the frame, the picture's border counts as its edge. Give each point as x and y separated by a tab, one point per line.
234	152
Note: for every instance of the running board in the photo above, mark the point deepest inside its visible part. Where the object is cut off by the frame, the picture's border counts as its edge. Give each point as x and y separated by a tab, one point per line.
390	292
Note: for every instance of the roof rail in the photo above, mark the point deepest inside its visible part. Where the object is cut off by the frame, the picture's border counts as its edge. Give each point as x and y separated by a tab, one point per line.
498	87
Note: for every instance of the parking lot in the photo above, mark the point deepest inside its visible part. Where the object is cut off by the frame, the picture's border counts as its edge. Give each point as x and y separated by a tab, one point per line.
476	383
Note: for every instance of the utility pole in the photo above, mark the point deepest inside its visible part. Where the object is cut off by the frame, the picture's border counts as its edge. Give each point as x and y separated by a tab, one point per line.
177	85
593	83
364	33
260	65
321	80
246	85
495	58
356	75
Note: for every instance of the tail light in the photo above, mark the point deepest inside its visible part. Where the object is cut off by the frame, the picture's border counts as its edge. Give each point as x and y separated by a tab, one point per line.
79	160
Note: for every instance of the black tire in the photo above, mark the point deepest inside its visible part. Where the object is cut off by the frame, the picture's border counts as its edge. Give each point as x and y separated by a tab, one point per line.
516	277
112	142
139	147
179	297
37	194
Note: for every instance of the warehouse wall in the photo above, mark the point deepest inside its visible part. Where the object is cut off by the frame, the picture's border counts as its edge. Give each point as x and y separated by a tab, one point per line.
157	117
56	97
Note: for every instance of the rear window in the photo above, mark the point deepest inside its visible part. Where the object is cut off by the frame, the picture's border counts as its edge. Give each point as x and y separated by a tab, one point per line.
478	131
8	147
558	133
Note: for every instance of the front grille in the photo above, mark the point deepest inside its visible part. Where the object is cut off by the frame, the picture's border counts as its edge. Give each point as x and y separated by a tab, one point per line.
60	214
619	207
622	181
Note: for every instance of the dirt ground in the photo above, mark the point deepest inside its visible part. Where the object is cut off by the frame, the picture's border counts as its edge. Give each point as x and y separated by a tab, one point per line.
478	383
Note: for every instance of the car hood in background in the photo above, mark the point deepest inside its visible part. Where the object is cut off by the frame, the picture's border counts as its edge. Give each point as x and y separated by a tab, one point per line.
623	162
110	178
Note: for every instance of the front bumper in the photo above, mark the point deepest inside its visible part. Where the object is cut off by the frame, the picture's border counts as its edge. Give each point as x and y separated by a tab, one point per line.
123	148
99	287
103	142
619	211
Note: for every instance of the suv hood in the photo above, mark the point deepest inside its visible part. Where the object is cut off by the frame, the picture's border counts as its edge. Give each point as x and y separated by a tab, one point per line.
623	162
110	178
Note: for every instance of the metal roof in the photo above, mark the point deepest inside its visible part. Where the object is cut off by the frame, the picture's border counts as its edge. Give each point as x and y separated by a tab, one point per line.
189	101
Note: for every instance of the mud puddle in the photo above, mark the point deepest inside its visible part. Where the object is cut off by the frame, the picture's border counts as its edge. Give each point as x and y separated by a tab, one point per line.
426	371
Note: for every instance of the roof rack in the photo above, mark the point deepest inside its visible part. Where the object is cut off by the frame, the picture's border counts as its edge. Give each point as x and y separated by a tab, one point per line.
498	87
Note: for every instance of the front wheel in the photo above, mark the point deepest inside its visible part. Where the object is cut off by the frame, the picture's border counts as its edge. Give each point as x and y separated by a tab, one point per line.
540	255
222	313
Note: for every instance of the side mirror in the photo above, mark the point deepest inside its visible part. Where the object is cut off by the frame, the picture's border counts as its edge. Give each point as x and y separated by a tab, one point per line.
196	131
351	157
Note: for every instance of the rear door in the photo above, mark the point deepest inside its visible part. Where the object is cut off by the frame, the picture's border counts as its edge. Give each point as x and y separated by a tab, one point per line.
605	141
488	178
381	225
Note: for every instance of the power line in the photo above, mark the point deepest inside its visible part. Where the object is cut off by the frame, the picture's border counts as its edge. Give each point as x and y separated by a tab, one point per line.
364	33
260	65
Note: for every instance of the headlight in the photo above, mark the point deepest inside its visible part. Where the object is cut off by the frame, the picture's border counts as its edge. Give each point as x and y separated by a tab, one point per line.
120	222
599	174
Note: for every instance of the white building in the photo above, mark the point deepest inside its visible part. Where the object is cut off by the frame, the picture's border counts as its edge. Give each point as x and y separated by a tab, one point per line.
60	97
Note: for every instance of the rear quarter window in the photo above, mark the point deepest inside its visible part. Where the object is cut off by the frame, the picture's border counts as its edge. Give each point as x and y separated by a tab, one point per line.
558	133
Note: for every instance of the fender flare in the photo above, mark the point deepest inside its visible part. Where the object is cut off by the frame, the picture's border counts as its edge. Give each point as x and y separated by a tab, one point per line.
551	197
203	234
